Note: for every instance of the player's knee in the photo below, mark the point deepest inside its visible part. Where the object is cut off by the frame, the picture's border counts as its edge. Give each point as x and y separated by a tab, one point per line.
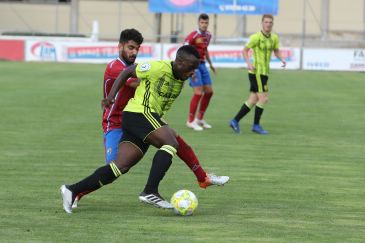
124	165
198	92
175	144
209	93
123	168
264	100
251	102
208	89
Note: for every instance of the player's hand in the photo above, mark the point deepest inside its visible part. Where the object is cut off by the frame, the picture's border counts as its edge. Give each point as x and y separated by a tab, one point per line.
250	67
283	64
106	103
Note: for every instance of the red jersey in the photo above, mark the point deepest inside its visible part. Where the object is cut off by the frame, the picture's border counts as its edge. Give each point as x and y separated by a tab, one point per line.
200	41
112	117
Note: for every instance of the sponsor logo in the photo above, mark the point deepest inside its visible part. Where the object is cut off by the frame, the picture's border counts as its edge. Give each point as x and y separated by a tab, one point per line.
171	53
226	56
199	40
92	52
359	60
144	67
103	52
182	3
44	50
359	55
287	54
145	51
236	56
318	65
237	7
357	66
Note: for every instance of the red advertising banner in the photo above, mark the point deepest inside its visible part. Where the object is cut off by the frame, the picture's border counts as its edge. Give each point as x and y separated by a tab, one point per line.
12	50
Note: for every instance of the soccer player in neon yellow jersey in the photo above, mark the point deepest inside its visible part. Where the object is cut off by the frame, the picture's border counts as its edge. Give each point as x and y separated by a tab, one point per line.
160	84
262	43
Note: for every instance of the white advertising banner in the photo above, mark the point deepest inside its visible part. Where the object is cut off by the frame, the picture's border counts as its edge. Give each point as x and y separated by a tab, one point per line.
231	56
221	55
83	52
103	52
39	50
334	59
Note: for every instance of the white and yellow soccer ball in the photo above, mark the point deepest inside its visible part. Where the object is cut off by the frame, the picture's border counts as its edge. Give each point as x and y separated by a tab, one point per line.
185	202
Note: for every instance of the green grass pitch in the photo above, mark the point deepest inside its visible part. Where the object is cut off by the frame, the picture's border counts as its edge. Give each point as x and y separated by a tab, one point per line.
304	182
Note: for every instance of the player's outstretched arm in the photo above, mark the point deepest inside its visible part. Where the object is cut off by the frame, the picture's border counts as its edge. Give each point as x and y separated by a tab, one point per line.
118	83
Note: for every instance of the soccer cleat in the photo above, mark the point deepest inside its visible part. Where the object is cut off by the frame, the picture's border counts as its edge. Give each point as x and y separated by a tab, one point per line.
194	125
155	199
258	129
76	201
203	124
235	126
66	198
214	180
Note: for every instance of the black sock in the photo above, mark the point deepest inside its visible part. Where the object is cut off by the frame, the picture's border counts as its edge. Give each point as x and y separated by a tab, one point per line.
102	176
258	113
242	112
160	164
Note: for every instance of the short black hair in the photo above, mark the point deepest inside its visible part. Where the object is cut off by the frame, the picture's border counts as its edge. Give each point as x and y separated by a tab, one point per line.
203	16
187	49
131	34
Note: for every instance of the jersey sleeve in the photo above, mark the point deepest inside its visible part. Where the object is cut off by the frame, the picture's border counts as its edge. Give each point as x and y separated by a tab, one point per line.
130	81
143	70
253	41
189	40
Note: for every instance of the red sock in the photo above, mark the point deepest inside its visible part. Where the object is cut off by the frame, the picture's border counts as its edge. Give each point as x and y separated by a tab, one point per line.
186	153
204	104
194	106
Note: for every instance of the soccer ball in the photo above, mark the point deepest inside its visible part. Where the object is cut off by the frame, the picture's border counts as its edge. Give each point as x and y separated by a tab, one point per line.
184	202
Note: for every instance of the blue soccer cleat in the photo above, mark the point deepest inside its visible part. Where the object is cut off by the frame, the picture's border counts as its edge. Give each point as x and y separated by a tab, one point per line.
258	129
235	126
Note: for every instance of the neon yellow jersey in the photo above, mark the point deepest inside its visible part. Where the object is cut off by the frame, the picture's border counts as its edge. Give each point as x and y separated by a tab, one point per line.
158	88
262	47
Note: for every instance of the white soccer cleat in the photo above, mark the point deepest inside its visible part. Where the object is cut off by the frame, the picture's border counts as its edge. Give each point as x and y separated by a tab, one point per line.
212	179
155	200
194	125
203	124
66	198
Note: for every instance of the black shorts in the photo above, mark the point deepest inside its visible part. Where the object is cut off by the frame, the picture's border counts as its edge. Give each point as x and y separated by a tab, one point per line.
258	83
137	126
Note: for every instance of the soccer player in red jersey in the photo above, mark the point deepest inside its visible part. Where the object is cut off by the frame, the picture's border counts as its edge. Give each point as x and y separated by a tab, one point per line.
129	44
201	81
